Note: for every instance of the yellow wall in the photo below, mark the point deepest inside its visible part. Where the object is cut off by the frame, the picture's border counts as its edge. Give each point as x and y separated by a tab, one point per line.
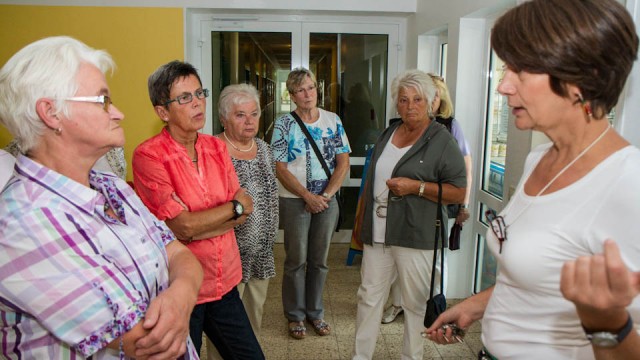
139	39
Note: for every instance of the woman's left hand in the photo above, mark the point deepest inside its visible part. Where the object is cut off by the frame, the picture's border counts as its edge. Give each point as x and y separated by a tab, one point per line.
601	287
168	319
463	215
401	186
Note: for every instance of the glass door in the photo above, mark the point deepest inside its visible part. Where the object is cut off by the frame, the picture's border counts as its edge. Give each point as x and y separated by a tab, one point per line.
491	193
236	50
352	62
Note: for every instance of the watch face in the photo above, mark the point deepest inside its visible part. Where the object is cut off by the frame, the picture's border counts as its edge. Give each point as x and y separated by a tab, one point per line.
239	209
604	339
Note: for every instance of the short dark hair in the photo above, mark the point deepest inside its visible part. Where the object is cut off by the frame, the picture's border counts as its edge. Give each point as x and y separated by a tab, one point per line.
161	81
591	44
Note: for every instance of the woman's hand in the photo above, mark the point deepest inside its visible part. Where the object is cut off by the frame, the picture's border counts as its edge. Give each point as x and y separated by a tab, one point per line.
245	199
463	215
462	315
601	287
316	203
167	317
401	186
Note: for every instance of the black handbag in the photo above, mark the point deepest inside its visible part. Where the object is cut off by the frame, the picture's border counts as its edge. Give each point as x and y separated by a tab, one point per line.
453	210
436	305
454	237
339	198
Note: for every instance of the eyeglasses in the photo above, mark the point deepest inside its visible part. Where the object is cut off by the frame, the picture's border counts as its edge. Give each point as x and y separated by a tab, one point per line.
102	99
498	226
308	89
187	98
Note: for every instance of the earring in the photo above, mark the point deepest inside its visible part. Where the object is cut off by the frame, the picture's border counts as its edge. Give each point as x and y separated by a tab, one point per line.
585	105
58	131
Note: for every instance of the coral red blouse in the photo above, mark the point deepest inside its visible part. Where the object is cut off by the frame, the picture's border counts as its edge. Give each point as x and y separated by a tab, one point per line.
162	166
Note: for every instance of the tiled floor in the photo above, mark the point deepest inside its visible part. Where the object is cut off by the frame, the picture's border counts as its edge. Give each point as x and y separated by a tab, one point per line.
340	312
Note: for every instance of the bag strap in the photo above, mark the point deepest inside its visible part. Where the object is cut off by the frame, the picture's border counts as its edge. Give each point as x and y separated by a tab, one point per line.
312	143
439	233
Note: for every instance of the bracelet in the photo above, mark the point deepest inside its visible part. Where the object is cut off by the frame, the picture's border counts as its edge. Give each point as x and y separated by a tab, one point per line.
421	190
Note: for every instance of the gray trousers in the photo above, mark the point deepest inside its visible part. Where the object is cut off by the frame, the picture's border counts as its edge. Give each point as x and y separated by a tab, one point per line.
306	243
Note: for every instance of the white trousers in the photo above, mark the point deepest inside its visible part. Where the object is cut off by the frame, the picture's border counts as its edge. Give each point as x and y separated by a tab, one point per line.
396	295
380	266
253	295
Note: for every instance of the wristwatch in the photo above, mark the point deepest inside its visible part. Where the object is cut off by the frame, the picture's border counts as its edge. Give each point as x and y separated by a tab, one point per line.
238	209
606	339
326	195
421	189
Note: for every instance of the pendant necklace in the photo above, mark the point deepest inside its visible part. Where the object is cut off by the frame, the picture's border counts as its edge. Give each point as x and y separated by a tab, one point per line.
560	173
253	142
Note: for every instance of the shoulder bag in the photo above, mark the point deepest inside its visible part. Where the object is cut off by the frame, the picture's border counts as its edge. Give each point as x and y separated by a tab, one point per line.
436	305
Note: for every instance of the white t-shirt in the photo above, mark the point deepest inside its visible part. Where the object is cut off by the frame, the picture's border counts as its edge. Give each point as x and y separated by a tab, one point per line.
6	167
527	317
290	145
387	161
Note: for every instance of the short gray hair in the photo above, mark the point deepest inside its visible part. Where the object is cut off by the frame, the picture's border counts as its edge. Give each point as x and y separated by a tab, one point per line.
236	94
417	79
297	76
46	68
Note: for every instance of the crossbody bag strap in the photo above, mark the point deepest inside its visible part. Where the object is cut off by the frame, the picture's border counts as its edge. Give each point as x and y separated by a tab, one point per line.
439	230
312	143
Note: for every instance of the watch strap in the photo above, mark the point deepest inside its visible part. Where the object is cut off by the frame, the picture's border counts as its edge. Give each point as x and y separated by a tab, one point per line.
235	204
620	336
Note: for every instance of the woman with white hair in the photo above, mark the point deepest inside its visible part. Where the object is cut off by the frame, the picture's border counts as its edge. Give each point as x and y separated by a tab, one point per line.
254	163
410	159
239	109
87	270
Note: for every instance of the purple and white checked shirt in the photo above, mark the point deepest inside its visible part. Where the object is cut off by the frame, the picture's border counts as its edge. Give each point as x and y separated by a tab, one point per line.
72	278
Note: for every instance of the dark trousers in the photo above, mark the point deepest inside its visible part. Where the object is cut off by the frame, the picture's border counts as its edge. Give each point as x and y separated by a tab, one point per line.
226	324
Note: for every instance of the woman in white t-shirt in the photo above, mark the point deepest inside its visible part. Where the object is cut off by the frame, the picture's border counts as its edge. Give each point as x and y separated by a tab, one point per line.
563	290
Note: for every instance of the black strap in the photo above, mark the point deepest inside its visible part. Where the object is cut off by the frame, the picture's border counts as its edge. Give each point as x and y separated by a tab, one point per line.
313	144
439	233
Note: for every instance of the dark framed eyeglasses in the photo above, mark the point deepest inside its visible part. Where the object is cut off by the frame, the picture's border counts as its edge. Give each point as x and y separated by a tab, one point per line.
102	99
187	98
498	226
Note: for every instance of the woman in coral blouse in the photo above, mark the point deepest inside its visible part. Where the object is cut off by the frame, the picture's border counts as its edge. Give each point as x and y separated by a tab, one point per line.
187	179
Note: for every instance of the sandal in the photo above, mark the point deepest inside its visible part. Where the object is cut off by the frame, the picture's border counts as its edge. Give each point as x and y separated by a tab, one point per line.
297	330
321	327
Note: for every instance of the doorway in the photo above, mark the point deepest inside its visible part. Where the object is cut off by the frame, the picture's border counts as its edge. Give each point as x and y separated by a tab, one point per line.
354	61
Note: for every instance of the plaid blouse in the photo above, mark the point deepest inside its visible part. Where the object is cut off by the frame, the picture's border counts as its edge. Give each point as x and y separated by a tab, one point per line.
73	277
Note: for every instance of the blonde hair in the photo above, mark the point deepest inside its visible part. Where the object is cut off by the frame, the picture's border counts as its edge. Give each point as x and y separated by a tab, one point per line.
446	105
